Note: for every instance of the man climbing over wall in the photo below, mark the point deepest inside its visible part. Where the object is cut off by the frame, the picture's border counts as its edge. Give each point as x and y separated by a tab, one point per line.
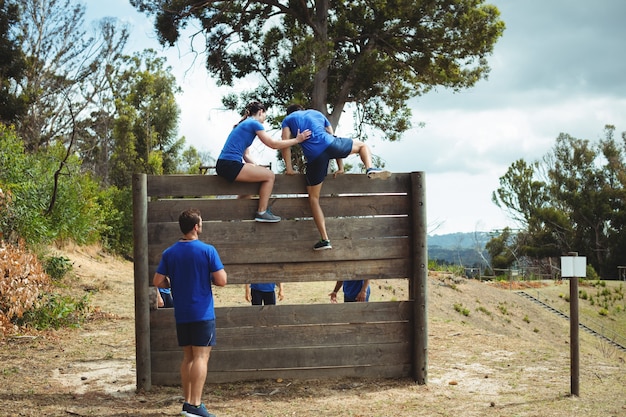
319	149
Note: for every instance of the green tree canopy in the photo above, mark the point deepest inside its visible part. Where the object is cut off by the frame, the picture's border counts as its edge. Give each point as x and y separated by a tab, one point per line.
374	55
12	65
571	200
146	127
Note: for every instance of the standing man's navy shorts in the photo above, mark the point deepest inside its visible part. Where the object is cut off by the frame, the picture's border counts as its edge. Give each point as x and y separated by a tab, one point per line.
197	333
317	169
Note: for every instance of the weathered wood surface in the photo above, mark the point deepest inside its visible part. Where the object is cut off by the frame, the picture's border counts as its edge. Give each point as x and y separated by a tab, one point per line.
195	186
294	340
368	221
372	225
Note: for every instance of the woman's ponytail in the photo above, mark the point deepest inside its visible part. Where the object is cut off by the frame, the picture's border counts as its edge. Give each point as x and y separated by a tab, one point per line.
251	109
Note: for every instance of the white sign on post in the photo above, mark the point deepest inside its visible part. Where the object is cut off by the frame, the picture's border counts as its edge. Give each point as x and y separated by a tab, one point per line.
573	266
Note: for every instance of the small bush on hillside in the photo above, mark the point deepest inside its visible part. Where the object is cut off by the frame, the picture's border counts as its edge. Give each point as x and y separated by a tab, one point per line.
22	282
57	267
54	311
117	231
27	297
461	309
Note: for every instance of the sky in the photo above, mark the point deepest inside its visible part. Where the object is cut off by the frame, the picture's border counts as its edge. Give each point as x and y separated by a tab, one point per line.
560	67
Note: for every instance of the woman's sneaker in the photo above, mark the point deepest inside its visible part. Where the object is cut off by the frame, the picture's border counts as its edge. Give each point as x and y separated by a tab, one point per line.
266	217
322	245
193	411
377	173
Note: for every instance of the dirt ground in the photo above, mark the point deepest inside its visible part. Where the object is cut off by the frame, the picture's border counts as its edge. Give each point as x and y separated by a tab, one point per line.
506	357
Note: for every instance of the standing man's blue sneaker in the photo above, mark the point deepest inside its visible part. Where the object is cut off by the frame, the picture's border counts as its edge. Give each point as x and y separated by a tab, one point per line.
377	173
193	411
266	217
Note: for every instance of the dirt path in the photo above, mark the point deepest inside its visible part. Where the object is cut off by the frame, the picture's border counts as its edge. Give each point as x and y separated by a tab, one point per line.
507	357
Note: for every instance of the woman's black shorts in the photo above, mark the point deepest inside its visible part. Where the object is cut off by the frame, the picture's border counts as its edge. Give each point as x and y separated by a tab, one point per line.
228	169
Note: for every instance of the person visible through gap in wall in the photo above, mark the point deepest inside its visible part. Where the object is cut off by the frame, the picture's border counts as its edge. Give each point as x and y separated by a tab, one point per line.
321	147
191	267
265	293
353	291
235	163
164	298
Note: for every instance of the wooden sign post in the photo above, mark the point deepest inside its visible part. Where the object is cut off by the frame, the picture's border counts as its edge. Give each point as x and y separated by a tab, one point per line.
573	267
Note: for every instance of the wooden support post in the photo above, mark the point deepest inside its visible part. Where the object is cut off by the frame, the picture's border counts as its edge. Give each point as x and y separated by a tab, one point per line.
418	281
142	283
574	338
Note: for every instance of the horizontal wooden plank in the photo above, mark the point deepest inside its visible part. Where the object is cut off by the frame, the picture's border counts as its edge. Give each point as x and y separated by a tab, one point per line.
295	314
171	376
314	271
343	250
293	358
161	235
319	271
291	207
295	336
292	241
211	185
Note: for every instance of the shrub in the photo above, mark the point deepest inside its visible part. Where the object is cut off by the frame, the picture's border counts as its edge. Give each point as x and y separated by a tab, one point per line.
56	311
117	230
28	180
591	273
26	297
57	267
463	310
23	281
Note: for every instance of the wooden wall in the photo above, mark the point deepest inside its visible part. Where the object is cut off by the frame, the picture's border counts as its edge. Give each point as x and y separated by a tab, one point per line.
378	231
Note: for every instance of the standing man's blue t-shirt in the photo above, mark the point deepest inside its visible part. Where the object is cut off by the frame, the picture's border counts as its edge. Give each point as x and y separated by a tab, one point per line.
316	122
179	263
239	139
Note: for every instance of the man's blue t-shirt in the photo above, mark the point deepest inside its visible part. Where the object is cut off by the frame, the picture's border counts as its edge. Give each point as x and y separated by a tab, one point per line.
264	287
316	122
189	265
240	138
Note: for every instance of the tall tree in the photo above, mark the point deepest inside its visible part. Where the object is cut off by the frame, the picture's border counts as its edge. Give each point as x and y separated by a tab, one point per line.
12	65
95	140
146	127
63	68
577	206
373	55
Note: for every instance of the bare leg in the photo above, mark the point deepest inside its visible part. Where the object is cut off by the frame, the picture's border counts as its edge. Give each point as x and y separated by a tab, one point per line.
316	209
364	152
366	157
185	369
256	173
193	371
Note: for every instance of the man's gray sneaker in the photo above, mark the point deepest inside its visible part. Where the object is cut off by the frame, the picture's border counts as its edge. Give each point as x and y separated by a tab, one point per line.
377	173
